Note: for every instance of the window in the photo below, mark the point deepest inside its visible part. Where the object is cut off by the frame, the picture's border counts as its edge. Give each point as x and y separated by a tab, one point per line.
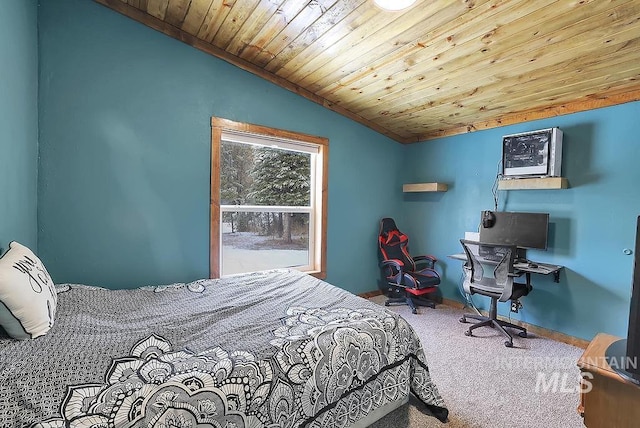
268	199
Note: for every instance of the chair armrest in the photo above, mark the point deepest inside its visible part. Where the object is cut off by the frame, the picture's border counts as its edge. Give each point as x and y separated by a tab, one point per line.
394	264
426	257
429	261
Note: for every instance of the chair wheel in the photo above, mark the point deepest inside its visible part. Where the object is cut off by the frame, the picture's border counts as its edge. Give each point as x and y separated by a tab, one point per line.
467	333
386	303
522	334
463	319
414	311
508	344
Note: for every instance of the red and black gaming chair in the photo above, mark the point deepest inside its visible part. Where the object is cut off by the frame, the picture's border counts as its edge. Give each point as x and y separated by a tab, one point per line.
405	279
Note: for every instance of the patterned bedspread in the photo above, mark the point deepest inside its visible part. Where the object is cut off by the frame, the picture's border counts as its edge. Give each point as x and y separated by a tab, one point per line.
270	349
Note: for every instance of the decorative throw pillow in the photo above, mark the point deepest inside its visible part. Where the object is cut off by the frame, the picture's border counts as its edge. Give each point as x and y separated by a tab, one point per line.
27	294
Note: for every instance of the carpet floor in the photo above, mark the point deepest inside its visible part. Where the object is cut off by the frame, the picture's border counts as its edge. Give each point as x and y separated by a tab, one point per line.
487	385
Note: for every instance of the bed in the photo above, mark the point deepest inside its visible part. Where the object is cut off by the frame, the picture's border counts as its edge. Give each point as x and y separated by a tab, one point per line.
270	349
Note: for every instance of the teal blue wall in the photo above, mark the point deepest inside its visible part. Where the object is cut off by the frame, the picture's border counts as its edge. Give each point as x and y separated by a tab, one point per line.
125	154
18	122
592	222
123	193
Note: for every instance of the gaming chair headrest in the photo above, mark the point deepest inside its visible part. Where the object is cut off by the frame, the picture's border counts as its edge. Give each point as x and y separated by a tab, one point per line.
387	224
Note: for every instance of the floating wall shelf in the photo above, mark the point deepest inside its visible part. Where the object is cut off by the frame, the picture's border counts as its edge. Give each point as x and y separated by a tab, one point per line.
424	187
548	183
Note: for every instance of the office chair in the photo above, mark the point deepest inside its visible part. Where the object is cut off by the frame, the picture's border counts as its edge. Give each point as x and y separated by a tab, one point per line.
405	279
489	272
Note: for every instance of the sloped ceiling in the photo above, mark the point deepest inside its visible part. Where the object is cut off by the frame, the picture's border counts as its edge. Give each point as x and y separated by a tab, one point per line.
438	68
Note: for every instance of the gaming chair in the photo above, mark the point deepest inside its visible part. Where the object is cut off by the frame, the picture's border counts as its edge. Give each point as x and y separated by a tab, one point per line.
405	279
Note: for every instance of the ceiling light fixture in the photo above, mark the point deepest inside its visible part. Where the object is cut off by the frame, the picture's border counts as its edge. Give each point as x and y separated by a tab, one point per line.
394	4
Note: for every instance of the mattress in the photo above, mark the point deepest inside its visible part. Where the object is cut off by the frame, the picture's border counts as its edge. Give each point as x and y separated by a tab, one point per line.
270	349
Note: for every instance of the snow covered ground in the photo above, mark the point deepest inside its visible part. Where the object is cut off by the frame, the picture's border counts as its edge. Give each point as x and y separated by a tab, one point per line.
237	260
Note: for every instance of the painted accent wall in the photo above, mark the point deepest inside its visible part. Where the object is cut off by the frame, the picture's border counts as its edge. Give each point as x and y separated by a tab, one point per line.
125	154
18	122
123	180
591	223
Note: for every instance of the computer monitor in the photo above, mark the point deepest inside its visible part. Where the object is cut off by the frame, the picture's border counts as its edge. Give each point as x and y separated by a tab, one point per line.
525	230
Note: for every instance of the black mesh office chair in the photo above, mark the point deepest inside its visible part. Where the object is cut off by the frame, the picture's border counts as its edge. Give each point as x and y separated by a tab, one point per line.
489	272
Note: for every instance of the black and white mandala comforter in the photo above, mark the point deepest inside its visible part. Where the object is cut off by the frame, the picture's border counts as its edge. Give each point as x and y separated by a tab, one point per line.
269	349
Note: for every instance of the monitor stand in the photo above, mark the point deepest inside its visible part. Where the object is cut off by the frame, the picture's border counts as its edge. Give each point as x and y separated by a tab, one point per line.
521	255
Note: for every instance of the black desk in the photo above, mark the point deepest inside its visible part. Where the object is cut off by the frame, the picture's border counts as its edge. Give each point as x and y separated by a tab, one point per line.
520	268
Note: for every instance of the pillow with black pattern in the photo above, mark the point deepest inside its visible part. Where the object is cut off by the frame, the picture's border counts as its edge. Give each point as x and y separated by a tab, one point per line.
27	294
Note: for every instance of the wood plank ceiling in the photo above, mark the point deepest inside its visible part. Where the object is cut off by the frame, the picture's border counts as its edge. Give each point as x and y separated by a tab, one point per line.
441	67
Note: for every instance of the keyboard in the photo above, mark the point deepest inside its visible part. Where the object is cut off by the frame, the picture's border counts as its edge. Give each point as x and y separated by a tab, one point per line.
540	268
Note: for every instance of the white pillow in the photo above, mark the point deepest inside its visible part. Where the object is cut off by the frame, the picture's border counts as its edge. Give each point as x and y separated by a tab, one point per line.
27	294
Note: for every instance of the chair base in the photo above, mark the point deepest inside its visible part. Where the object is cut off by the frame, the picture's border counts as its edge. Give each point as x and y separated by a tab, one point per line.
493	322
398	294
410	301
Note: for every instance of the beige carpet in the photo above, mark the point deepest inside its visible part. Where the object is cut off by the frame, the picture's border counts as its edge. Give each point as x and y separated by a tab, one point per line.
487	385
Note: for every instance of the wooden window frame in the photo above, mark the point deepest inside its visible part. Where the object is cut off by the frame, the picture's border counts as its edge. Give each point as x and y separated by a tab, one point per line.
218	126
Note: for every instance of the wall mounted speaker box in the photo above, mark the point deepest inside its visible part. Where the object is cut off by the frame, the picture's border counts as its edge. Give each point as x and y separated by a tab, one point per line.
532	154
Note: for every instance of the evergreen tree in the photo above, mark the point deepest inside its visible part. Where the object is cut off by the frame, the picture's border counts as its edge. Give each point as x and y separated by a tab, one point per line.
281	178
236	163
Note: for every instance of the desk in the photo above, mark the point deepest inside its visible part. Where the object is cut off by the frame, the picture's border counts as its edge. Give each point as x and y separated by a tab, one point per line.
522	267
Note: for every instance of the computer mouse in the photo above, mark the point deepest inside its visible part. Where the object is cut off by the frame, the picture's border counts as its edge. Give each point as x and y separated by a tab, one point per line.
533	265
